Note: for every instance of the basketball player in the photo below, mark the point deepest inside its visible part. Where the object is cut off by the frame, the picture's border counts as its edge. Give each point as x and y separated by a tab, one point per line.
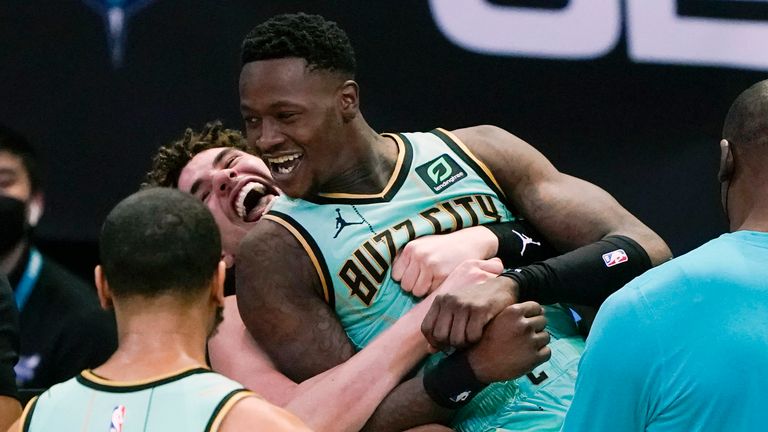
301	268
161	271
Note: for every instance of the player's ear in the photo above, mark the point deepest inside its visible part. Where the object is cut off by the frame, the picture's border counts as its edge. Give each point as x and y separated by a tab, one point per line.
217	285
102	288
726	161
349	100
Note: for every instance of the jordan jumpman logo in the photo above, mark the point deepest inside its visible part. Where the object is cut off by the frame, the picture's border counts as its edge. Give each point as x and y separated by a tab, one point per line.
526	241
341	223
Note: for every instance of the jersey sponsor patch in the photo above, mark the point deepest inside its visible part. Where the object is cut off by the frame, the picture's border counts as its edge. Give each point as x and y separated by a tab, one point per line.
616	257
118	417
441	173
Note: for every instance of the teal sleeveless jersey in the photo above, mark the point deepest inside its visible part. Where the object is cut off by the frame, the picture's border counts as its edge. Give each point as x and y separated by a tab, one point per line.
438	186
192	400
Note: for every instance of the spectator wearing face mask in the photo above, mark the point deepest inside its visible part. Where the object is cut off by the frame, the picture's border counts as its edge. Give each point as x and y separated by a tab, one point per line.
63	329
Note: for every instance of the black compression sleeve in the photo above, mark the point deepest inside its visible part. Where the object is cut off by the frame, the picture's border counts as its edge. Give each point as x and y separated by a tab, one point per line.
587	275
9	339
520	243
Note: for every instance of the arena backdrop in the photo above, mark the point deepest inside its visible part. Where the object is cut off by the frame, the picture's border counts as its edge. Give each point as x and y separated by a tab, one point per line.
628	94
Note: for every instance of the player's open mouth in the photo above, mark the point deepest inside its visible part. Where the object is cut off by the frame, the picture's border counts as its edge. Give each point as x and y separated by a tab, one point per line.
283	165
254	200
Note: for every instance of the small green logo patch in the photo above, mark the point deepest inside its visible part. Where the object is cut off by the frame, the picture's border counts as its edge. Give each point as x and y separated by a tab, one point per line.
440	173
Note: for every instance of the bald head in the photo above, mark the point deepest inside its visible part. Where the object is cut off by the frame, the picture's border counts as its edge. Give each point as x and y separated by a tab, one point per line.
746	124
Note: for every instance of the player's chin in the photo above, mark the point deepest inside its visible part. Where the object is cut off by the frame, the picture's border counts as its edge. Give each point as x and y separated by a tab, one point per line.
296	188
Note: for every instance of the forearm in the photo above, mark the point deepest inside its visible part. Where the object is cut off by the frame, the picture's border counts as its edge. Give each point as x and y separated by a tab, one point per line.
587	275
356	387
407	406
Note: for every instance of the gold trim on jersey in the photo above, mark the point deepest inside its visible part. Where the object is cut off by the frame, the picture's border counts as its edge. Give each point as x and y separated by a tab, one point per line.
392	179
310	252
237	397
469	153
89	375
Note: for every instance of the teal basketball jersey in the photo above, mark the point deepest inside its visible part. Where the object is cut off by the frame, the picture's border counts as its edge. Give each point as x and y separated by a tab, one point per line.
438	186
192	400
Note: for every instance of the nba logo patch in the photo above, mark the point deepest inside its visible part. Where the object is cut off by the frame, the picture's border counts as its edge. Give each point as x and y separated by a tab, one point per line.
118	417
616	257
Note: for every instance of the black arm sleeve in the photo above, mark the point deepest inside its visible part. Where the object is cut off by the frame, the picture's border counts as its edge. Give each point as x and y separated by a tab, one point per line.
587	275
9	339
520	243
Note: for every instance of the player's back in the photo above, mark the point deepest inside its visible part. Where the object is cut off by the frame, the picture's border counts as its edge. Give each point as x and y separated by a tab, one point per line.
195	399
707	320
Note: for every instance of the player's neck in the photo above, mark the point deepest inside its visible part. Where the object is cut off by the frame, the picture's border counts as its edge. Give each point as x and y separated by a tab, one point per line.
370	167
754	220
155	341
748	205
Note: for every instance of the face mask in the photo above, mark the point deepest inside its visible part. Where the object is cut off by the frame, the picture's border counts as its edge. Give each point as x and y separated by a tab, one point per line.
12	223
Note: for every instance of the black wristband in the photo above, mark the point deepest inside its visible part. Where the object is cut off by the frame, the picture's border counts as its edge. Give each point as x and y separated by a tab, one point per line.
520	243
587	275
451	383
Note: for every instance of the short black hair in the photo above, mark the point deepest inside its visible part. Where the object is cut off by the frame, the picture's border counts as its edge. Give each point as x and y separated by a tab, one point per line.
322	43
14	143
746	124
159	241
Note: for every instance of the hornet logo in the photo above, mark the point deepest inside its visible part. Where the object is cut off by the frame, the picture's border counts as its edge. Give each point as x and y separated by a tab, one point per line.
116	14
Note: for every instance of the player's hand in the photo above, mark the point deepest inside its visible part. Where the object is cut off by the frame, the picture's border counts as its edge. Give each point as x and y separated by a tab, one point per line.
469	273
457	318
426	262
513	344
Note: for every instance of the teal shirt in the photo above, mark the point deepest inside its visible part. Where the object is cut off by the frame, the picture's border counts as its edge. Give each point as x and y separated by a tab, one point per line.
191	400
683	347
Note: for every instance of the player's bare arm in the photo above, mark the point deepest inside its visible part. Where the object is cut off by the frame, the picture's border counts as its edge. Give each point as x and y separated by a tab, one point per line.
571	213
281	306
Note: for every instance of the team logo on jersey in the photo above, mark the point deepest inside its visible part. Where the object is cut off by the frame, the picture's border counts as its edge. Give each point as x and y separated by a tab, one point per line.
616	257
441	173
342	223
118	417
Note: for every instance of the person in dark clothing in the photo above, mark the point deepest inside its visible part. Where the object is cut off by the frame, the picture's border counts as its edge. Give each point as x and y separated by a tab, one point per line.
9	353
63	330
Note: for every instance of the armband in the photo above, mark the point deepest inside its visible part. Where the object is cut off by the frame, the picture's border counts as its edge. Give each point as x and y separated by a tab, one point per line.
451	383
520	243
587	275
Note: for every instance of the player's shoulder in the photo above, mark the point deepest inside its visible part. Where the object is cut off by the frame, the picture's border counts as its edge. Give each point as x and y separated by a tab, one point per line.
481	134
683	270
267	234
252	412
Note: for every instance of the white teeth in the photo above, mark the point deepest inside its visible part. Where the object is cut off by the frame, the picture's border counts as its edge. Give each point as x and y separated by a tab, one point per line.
240	201
282	170
283	159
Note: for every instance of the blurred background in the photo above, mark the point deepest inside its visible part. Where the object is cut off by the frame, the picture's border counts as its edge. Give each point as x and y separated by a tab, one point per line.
628	94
